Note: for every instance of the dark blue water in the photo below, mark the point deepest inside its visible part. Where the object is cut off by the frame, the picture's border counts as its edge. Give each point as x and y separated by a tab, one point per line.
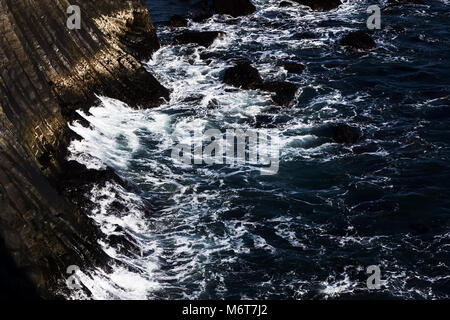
311	230
163	10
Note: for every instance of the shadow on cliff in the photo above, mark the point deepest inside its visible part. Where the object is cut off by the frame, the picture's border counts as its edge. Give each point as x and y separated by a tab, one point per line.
14	284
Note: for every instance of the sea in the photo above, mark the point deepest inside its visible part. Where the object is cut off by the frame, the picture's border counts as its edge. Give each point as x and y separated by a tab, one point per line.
332	212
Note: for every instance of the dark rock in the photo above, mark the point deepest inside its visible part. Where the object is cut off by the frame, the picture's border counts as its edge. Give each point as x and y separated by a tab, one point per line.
177	21
14	284
393	3
140	39
194	98
284	91
294	67
304	35
75	174
264	121
343	133
358	40
419	228
320	5
234	8
213	103
201	38
46	76
201	16
243	75
284	4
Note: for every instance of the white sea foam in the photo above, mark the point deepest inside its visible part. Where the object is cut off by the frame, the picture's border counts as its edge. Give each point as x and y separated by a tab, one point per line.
179	252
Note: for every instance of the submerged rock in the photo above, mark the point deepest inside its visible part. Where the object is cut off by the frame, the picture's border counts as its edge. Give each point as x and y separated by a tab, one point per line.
294	67
359	40
234	8
284	91
320	5
243	75
201	38
284	4
343	133
177	21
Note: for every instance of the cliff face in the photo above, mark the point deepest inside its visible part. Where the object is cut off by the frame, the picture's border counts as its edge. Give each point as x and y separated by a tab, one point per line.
47	72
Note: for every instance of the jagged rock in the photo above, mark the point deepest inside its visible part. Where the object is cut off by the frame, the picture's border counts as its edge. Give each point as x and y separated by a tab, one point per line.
284	91
47	71
201	38
294	67
234	8
177	21
284	4
243	75
343	133
359	40
320	5
140	38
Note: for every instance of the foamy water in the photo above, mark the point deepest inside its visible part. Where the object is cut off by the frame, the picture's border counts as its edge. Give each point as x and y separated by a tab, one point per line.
208	232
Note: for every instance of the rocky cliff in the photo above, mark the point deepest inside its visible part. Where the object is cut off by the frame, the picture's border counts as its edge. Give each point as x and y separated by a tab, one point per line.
46	73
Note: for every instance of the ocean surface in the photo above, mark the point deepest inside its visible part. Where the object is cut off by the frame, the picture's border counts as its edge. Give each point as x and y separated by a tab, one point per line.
310	231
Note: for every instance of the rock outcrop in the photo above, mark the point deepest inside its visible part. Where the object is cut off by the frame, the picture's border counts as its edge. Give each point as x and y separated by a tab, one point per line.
201	38
358	40
294	67
235	8
243	75
46	72
343	133
177	21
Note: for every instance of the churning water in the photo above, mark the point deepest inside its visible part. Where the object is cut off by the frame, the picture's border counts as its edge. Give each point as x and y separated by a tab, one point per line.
221	232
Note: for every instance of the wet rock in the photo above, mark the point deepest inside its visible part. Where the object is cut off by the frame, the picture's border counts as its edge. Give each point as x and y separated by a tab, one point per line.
177	21
284	91
294	67
392	3
419	228
234	8
284	4
358	40
213	104
46	76
75	174
264	121
243	75
201	38
343	133
140	39
320	5
195	98
303	35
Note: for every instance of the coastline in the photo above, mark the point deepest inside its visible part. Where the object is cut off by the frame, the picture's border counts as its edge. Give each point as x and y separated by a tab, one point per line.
47	73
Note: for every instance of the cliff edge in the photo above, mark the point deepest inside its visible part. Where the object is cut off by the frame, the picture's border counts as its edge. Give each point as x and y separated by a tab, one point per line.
46	73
